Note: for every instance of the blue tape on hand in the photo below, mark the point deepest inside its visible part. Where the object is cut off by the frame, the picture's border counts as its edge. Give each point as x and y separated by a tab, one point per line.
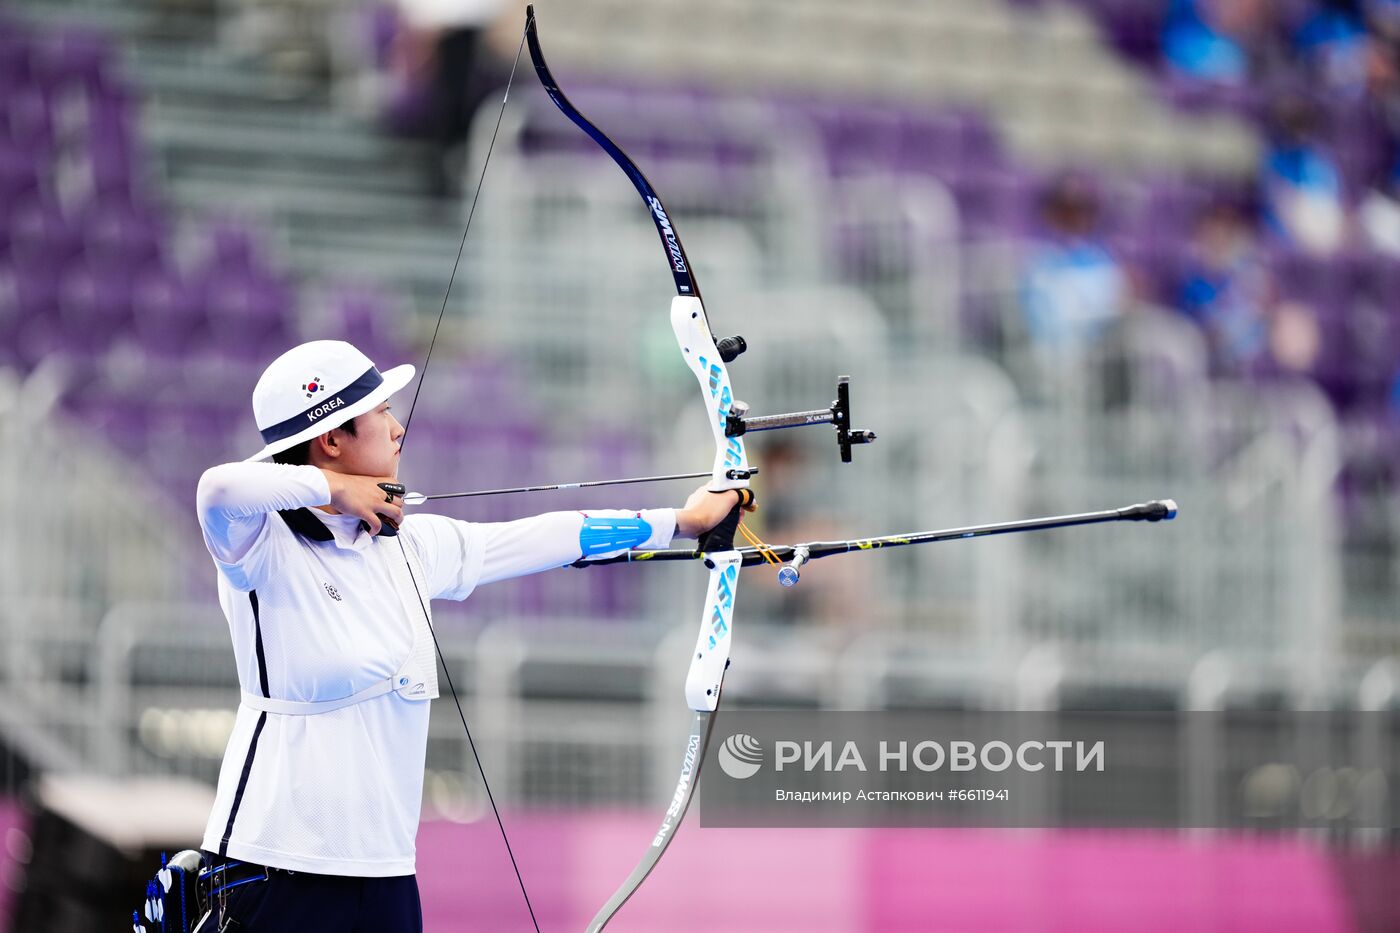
602	535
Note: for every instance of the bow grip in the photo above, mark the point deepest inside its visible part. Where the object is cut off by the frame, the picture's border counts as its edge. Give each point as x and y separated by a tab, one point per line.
721	537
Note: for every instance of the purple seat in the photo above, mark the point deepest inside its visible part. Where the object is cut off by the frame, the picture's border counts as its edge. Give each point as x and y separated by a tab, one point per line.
1193	95
933	145
1160	268
247	306
9	301
993	201
166	316
976	138
1335	369
231	249
40	234
114	181
862	140
246	313
1381	282
445	456
29	119
1168	214
118	235
36	289
365	317
1133	26
109	137
1316	281
494	393
42	336
125	423
79	57
19	185
14	57
94	308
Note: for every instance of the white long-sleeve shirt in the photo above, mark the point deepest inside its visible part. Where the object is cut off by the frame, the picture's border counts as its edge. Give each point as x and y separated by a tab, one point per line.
314	615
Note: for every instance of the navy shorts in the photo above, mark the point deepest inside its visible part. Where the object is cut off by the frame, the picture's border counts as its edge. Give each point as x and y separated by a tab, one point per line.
300	902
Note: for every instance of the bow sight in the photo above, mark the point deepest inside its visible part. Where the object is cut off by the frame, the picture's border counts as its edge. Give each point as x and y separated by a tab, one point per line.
740	422
838	415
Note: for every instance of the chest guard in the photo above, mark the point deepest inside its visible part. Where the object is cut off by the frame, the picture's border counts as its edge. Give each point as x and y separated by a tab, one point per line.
416	677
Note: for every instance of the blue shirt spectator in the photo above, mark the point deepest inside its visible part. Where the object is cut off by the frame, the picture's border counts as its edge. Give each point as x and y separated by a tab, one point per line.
1226	288
1072	286
1192	48
1334	42
1210	39
1301	185
1071	292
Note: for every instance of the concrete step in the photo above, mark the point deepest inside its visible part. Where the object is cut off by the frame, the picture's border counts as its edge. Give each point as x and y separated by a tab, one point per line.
371	161
310	199
176	24
204	76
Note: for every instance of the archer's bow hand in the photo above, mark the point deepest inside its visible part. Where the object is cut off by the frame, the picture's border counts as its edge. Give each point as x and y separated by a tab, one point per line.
705	509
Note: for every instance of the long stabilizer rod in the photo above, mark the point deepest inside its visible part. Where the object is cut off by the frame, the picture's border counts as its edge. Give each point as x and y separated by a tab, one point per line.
798	554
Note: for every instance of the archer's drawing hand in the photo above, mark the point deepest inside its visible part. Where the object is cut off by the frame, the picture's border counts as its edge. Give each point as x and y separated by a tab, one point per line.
704	510
361	496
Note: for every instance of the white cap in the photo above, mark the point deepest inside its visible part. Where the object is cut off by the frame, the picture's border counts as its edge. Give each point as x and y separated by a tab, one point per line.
315	387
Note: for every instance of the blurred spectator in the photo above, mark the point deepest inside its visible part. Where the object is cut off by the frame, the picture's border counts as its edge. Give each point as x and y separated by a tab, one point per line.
830	597
442	43
1295	340
1383	17
1299	180
288	37
1211	39
1072	286
1333	42
1226	287
1379	214
1383	84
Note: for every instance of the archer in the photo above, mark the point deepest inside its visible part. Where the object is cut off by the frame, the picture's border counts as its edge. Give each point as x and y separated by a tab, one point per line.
326	586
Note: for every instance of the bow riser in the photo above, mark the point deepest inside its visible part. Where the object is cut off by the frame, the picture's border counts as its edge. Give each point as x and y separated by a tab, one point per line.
697	345
706	677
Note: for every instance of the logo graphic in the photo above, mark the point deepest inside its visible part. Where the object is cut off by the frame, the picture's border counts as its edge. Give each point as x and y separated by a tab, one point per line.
673	245
315	385
325	408
332	592
740	756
